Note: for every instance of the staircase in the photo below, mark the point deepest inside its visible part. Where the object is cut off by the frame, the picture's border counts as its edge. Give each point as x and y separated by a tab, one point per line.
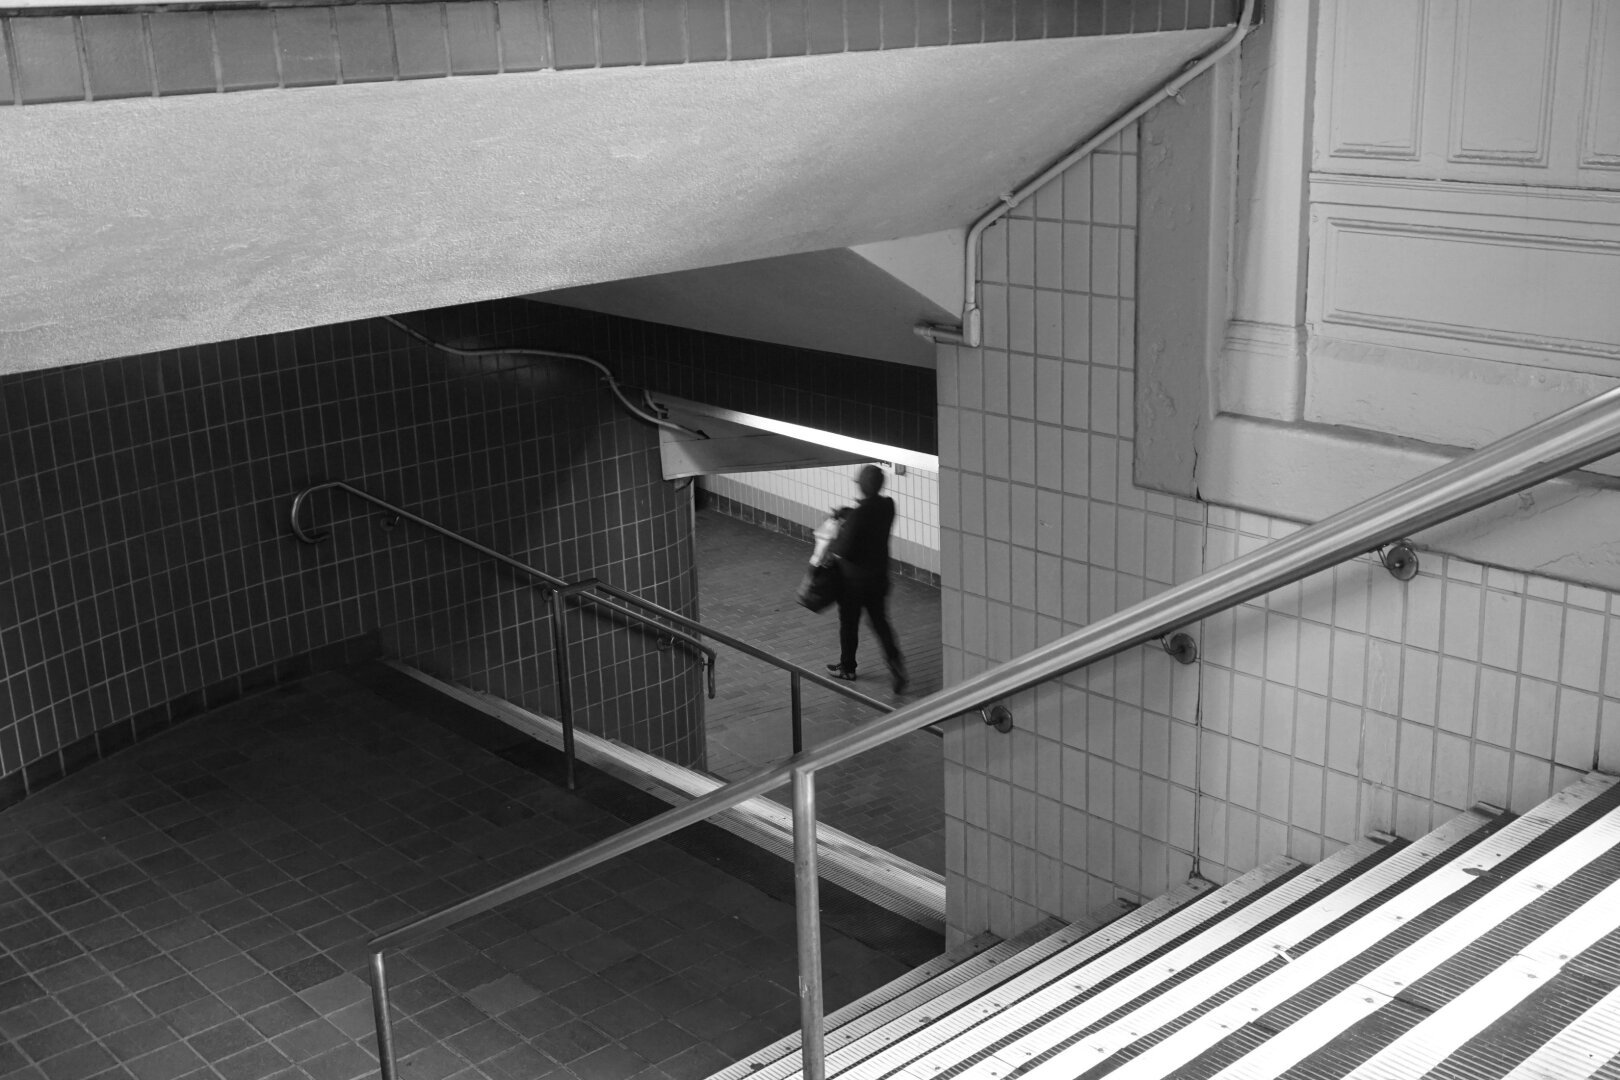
1488	948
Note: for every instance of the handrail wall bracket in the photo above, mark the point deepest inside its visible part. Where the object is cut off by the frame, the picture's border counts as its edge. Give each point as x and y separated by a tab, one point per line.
1181	646
1400	559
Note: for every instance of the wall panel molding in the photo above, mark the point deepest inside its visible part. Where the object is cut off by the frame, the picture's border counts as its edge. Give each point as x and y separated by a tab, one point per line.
1377	109
1505	273
1489	91
1502	82
1600	111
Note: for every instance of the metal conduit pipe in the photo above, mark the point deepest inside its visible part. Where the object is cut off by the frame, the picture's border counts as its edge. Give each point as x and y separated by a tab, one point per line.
551	354
971	332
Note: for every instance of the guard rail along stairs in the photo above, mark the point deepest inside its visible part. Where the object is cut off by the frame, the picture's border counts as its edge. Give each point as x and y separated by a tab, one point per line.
1576	437
639	612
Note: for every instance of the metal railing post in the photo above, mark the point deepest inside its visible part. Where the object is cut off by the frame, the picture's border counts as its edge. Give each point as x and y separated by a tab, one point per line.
565	677
807	898
798	712
385	1024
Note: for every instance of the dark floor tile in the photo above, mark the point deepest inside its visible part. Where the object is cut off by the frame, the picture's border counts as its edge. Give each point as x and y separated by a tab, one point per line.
232	969
115	1015
623	1017
149	972
307	972
449	1017
170	1063
661	1040
171	995
19	992
254	1063
502	995
280	1016
254	994
706	1019
310	1040
435	1062
58	1038
609	1063
694	1064
297	1021
140	1039
343	1063
199	1015
519	1063
483	1041
80	1063
226	1039
586	995
336	993
30	1017
570	1040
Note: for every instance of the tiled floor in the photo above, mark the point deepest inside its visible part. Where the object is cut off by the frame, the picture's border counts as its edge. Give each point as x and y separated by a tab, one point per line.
197	906
892	796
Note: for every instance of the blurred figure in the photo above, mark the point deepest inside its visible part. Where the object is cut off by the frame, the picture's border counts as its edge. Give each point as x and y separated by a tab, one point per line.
861	552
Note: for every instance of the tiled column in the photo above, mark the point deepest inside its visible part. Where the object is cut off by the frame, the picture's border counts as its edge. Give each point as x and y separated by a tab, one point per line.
1043	530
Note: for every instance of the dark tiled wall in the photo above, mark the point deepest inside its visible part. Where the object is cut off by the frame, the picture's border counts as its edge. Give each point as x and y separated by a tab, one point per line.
147	568
69	57
866	399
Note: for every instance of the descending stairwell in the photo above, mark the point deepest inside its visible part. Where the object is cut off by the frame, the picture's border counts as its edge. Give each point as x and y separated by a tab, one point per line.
1488	948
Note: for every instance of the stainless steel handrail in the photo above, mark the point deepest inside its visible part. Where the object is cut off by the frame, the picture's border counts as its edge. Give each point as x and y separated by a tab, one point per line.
1573	438
550	580
560	590
557	589
798	671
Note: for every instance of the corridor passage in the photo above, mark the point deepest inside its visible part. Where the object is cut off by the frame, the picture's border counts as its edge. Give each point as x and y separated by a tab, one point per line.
197	906
893	796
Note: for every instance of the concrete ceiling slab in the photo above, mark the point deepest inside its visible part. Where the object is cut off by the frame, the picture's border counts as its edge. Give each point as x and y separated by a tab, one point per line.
832	301
130	226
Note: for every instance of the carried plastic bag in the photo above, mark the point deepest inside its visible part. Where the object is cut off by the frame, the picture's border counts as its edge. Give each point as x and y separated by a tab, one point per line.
819	589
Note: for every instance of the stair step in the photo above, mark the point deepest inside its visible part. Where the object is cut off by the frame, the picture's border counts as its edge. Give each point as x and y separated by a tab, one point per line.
1059	951
1578	1050
1045	1020
971	1028
948	970
1488	948
1389	951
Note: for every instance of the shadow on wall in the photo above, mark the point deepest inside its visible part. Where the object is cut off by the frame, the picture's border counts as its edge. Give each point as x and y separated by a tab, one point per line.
147	571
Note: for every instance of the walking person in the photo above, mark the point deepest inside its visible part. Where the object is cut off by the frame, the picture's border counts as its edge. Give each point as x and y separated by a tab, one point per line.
861	552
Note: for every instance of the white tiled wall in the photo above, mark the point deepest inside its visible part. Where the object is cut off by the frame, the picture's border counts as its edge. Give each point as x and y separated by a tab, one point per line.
806	495
1347	703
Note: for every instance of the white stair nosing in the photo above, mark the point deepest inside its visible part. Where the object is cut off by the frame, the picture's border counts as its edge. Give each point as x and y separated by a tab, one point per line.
965	1039
1424	954
1073	945
1191	991
1193	1039
1439	1034
917	986
1583	1047
1165	970
864	869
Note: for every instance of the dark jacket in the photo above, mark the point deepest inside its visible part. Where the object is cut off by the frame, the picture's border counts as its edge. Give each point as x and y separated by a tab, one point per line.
862	546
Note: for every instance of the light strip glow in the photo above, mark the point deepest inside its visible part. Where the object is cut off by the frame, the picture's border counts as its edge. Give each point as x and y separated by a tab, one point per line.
912	459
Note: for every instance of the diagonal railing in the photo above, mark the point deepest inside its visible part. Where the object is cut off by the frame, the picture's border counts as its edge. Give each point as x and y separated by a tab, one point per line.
619	602
1576	437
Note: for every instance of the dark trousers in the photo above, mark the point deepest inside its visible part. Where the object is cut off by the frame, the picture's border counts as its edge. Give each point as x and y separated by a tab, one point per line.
872	597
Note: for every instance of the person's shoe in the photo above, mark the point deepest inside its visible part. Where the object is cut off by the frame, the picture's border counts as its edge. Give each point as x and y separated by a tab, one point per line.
837	671
901	681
